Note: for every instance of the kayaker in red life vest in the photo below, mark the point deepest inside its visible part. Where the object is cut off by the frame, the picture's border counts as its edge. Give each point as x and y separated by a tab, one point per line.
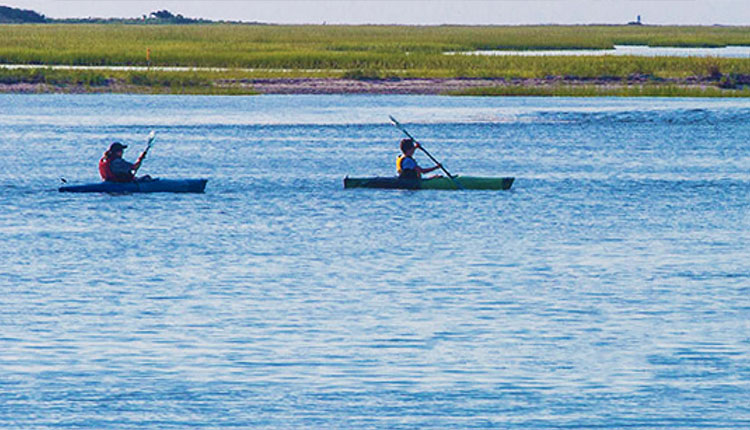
406	165
114	169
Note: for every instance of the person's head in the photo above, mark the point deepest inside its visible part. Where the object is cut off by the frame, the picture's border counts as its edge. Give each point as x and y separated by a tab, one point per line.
407	147
115	149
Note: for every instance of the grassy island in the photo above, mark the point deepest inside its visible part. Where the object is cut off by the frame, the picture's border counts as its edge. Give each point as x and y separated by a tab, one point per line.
242	58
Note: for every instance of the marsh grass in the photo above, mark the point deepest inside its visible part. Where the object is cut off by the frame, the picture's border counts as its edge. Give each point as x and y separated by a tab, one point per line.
126	82
381	50
355	52
54	77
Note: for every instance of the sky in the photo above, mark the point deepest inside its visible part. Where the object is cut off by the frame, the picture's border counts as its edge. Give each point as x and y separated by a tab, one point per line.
424	12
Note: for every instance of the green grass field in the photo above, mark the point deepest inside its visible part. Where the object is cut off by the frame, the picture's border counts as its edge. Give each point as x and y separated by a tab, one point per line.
366	51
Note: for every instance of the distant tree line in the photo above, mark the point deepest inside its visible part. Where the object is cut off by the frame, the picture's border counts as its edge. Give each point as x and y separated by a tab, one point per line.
9	15
167	16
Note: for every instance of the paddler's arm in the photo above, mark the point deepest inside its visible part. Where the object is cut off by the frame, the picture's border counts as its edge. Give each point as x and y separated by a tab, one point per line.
122	169
137	164
428	170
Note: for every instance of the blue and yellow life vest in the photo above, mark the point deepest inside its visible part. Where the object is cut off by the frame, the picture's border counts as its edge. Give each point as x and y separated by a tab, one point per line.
406	173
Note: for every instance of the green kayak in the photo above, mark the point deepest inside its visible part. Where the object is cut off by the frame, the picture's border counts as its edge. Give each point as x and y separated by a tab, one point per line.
439	183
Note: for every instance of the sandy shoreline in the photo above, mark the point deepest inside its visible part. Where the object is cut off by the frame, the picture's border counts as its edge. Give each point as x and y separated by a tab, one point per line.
290	86
416	86
413	86
436	86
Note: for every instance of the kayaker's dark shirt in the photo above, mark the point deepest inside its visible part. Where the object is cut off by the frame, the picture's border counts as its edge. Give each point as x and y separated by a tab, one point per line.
121	169
407	168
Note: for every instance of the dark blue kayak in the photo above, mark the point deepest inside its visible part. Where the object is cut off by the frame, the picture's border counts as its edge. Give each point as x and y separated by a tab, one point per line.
149	186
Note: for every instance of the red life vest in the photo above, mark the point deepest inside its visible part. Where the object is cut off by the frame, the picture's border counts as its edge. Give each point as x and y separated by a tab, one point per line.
105	171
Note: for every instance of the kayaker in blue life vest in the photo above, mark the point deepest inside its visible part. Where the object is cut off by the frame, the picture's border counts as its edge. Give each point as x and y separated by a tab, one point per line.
406	165
114	169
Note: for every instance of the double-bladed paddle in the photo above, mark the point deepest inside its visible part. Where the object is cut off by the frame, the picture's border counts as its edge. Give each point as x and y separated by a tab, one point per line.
419	145
151	137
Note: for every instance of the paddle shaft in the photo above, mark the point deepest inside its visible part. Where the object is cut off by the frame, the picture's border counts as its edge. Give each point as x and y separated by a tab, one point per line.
141	157
419	145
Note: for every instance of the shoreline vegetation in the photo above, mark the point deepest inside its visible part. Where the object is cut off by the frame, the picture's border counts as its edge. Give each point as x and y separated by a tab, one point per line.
42	81
223	58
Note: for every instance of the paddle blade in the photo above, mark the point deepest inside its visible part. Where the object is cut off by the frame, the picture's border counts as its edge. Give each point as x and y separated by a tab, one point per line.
401	127
396	123
151	136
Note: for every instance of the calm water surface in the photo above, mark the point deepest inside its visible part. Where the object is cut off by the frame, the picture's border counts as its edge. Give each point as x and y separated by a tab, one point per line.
634	50
609	289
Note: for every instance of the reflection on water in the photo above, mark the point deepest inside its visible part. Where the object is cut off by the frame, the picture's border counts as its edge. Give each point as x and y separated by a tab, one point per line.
634	50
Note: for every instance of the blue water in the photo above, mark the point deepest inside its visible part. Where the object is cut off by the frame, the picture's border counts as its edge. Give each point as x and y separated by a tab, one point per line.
609	289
